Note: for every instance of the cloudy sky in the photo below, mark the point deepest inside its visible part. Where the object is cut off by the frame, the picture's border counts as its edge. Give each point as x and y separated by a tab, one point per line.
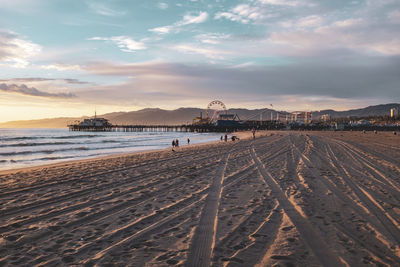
68	57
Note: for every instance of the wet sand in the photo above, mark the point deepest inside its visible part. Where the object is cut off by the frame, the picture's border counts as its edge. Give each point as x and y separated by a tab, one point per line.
283	199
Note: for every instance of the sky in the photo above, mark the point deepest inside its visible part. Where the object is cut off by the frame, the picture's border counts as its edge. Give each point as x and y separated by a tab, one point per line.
66	58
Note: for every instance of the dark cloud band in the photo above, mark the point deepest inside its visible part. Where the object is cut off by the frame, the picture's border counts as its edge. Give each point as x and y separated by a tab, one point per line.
25	90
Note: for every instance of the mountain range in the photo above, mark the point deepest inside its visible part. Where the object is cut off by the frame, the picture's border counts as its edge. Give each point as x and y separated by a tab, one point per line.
186	115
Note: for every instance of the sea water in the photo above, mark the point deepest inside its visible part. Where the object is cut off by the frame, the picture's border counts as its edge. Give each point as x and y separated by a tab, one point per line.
31	147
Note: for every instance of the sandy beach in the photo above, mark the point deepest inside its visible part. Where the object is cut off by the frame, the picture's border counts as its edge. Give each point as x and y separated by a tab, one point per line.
283	199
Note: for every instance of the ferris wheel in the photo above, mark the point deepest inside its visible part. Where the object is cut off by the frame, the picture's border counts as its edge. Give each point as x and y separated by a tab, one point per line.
217	107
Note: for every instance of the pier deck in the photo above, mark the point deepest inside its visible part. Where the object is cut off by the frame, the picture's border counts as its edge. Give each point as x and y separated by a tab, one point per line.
159	128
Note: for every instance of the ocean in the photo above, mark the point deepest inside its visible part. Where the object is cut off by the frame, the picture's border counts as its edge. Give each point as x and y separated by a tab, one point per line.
31	147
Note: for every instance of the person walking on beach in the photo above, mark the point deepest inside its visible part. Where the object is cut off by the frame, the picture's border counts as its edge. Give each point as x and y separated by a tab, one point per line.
177	143
226	138
173	145
222	137
254	133
188	141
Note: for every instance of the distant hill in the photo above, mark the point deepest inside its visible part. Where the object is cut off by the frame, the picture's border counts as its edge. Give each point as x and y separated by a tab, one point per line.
43	123
186	115
378	110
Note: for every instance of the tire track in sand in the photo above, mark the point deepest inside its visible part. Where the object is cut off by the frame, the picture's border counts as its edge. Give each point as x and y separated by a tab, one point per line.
80	206
76	177
156	220
321	250
202	245
387	221
380	247
375	209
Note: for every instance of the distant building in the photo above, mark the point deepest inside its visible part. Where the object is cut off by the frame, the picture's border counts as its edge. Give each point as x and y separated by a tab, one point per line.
200	120
228	120
95	122
394	113
227	116
326	117
363	122
301	117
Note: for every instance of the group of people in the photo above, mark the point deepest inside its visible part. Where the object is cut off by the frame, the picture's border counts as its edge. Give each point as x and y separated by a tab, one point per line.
225	138
175	143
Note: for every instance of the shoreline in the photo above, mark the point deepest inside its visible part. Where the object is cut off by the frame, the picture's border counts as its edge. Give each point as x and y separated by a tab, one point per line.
241	135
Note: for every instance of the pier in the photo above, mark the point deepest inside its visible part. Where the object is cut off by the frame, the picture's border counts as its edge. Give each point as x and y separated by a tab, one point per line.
159	128
220	121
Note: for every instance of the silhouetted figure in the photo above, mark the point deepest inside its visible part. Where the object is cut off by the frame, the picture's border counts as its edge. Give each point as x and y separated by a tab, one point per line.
177	143
173	145
222	137
188	141
254	133
226	138
394	133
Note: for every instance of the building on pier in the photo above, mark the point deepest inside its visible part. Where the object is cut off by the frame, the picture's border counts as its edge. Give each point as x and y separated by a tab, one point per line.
92	124
95	122
228	120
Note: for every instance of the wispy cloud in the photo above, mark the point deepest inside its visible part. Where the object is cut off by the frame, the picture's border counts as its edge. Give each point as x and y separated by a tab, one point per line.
212	38
39	79
162	5
104	10
16	51
74	81
310	21
32	91
125	43
26	80
189	18
261	11
162	30
350	34
280	2
207	52
62	67
242	13
348	22
193	18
